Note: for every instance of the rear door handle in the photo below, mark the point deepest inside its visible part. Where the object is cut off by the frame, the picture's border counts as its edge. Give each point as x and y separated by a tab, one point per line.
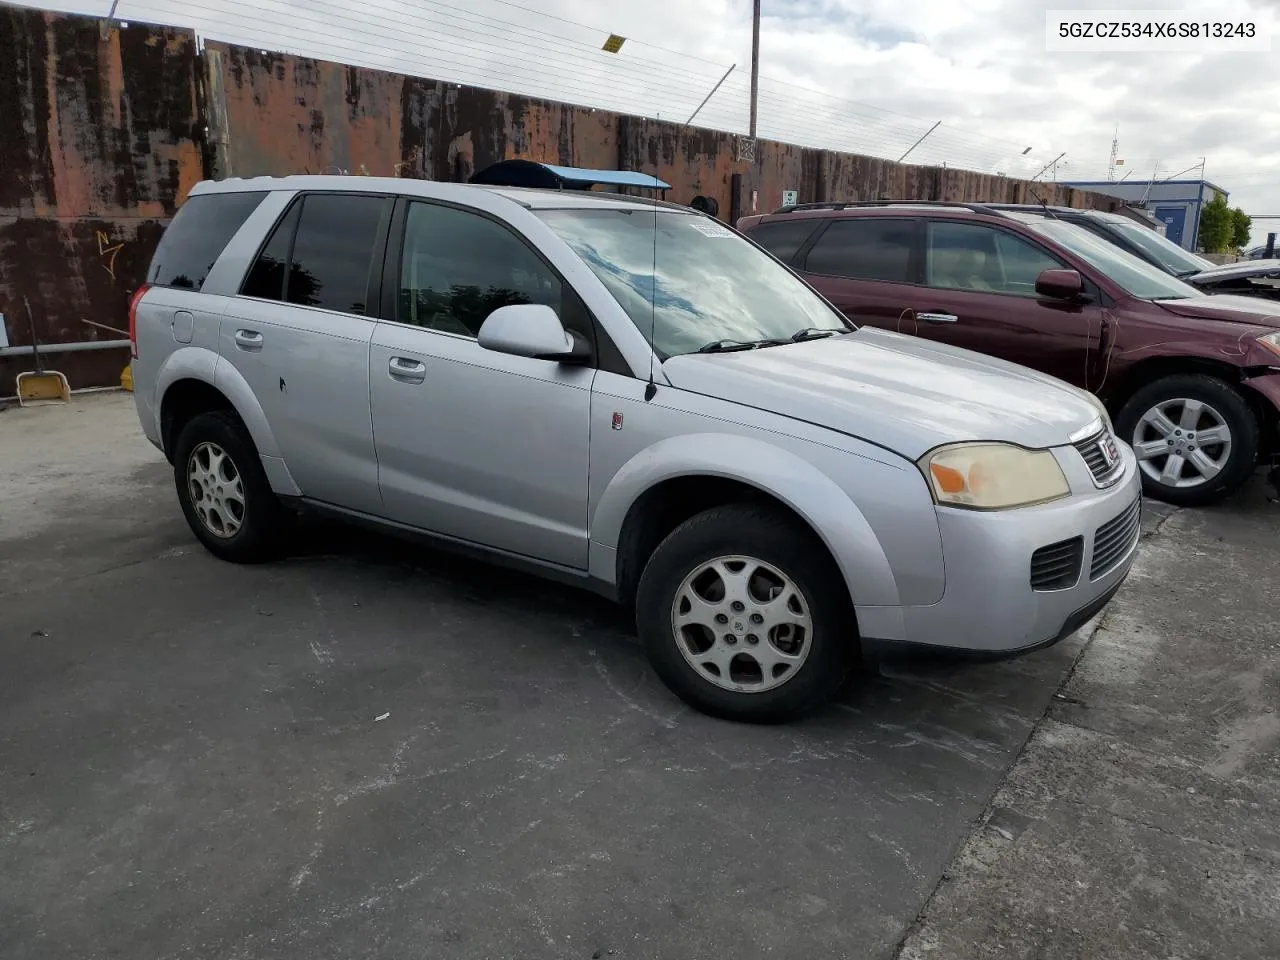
406	370
937	317
248	340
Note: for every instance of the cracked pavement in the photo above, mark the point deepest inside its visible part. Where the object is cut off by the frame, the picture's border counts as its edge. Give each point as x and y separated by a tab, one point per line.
370	749
1143	818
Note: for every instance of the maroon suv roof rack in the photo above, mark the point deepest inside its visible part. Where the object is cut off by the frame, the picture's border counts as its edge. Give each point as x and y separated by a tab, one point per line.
844	205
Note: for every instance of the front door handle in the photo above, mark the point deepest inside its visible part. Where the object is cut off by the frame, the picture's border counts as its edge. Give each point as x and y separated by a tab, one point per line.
937	317
248	340
406	370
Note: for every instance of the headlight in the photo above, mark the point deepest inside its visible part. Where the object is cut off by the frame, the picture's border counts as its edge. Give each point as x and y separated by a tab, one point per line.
993	476
1272	342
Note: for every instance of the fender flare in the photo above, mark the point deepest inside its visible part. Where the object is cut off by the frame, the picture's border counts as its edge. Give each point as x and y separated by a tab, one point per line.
199	363
806	490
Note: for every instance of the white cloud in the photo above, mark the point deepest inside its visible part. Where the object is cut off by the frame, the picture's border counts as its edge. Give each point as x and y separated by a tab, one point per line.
886	68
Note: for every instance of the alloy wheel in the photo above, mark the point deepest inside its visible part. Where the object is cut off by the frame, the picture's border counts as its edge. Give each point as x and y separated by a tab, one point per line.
217	492
1182	442
742	624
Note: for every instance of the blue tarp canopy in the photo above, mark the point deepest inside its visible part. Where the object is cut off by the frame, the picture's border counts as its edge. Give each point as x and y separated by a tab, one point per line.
528	173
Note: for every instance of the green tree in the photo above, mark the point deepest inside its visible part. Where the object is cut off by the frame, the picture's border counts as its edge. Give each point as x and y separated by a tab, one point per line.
1241	225
1217	226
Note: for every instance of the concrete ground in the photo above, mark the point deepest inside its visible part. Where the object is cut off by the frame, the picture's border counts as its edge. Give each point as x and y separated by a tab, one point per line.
370	749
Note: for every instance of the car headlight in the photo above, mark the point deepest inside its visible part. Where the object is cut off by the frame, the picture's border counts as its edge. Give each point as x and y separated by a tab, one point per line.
993	476
1271	341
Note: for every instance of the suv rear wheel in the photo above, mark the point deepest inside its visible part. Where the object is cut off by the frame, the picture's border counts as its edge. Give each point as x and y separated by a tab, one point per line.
745	617
223	490
1195	437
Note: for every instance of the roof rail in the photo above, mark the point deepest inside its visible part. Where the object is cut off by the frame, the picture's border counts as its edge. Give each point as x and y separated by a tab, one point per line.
844	205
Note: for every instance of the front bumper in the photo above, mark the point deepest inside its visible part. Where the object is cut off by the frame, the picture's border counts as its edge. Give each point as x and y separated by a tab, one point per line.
989	606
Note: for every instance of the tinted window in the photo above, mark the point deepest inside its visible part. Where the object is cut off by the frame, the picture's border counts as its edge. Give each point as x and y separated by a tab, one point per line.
1136	277
870	249
333	251
783	238
195	239
970	256
266	276
687	281
458	267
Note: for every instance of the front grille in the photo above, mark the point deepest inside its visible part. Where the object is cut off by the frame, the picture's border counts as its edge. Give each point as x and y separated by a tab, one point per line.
1057	566
1102	456
1113	540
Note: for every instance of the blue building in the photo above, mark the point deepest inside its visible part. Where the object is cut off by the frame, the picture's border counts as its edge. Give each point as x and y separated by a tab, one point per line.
1175	203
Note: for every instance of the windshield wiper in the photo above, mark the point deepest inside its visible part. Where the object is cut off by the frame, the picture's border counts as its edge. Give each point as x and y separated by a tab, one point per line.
729	346
814	333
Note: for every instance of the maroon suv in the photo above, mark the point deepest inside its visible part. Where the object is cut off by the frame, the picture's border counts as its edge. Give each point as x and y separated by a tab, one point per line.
1193	381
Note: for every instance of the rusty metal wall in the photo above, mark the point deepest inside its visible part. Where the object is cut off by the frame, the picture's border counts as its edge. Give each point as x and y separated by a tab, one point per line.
99	143
286	114
103	133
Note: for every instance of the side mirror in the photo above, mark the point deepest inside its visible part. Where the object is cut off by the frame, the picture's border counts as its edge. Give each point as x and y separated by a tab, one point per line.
1060	284
532	330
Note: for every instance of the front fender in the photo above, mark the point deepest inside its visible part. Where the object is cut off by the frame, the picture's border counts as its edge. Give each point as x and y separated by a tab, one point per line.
199	363
828	510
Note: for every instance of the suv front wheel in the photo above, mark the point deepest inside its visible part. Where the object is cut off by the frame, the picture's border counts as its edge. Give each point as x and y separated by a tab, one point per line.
745	616
1195	437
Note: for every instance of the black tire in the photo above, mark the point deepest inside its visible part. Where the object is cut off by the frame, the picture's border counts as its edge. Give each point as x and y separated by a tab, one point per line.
1235	411
262	519
790	549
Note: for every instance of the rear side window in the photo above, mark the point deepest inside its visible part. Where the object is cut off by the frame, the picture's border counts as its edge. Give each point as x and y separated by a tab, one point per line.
328	241
266	276
196	237
784	238
332	260
876	248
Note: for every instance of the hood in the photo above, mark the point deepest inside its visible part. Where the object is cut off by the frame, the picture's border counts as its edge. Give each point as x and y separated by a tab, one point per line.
899	392
1236	271
1254	311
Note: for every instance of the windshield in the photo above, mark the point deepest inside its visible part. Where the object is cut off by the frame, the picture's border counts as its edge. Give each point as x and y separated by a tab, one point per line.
695	283
1165	252
1136	277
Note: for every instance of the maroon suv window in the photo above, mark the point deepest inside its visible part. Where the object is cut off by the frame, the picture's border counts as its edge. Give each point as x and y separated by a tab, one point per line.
874	248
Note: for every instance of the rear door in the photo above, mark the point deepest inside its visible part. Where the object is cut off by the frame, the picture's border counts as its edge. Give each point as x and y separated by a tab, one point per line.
299	334
868	267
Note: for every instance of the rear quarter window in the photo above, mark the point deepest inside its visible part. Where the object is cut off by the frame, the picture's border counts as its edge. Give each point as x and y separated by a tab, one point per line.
196	237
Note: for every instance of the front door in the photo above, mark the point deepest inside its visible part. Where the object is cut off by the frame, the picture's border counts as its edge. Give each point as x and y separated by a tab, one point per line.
979	293
480	446
1174	220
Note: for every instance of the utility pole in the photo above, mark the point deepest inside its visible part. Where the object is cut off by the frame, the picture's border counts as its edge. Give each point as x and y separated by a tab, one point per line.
755	62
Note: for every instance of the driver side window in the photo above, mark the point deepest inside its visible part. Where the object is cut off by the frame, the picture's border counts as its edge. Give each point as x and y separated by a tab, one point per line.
458	267
975	257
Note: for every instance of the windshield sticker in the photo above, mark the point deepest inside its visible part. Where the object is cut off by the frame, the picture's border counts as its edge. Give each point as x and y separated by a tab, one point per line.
709	228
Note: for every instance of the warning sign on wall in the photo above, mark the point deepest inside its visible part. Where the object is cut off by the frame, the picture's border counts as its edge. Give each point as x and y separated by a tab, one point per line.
790	198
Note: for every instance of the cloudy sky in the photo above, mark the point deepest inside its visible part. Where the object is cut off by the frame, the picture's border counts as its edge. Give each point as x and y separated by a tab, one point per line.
864	75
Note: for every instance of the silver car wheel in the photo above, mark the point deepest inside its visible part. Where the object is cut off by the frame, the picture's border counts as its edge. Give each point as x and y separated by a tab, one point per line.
1182	443
742	624
216	491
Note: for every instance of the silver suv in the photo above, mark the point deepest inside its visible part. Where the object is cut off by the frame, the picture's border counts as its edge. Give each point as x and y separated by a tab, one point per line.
629	396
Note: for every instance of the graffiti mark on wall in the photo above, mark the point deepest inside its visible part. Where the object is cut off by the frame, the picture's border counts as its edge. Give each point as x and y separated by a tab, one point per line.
109	251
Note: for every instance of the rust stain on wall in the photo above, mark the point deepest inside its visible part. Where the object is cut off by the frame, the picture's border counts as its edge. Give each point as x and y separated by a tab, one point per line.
101	142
